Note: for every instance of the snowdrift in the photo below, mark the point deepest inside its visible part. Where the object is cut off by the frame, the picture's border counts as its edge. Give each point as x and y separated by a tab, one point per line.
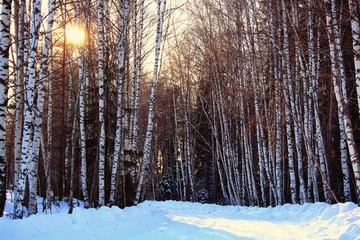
183	220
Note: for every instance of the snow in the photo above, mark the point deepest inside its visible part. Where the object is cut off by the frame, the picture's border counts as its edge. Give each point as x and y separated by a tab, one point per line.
184	220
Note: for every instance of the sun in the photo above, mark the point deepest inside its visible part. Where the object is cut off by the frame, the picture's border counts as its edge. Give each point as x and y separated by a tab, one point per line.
75	35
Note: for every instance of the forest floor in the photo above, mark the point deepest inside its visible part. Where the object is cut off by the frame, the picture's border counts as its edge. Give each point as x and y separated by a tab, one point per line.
184	220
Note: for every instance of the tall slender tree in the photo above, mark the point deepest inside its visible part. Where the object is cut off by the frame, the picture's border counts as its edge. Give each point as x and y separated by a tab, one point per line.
26	164
354	7
82	79
119	111
4	74
161	7
38	127
19	91
102	139
339	82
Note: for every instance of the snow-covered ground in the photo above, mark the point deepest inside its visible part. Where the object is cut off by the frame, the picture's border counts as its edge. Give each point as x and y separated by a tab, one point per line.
183	220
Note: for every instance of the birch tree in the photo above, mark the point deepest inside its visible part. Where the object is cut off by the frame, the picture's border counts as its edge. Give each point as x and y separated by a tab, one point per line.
310	95
338	78
101	102
119	112
20	75
300	77
161	7
134	119
82	75
289	102
278	103
187	146
26	164
355	27
38	127
4	74
49	149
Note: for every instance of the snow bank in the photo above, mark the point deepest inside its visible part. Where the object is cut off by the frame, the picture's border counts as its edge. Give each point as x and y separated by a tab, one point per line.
183	220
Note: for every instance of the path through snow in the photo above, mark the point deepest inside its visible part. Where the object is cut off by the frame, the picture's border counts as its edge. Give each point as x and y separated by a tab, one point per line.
183	220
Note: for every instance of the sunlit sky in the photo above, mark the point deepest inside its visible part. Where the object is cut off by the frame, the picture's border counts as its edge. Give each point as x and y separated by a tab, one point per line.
177	20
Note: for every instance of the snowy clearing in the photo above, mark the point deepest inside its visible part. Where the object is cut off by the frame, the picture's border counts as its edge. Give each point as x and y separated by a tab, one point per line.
183	220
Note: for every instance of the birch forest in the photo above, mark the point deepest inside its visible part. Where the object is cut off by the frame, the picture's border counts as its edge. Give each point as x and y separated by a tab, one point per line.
234	102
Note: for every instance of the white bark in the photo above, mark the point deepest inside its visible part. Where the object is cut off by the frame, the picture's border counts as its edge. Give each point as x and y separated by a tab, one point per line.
72	136
119	113
19	91
161	7
4	74
188	161
250	171
40	104
227	156
180	180
355	25
343	145
340	88
70	125
344	159
82	75
300	77
217	151
136	85
354	7
82	96
26	164
308	101
278	118
289	102
102	138
250	42
49	192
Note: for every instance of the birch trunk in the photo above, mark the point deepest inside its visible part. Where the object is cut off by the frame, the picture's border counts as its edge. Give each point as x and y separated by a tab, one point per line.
70	102
259	128
136	87
19	90
119	113
289	102
26	164
40	104
70	125
161	7
102	138
250	172
187	149
177	156
309	97
344	159
82	75
314	112
82	97
278	155
217	151
227	155
355	27
4	74
129	111
74	138
49	193
340	89
321	154
343	146
300	77
278	112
